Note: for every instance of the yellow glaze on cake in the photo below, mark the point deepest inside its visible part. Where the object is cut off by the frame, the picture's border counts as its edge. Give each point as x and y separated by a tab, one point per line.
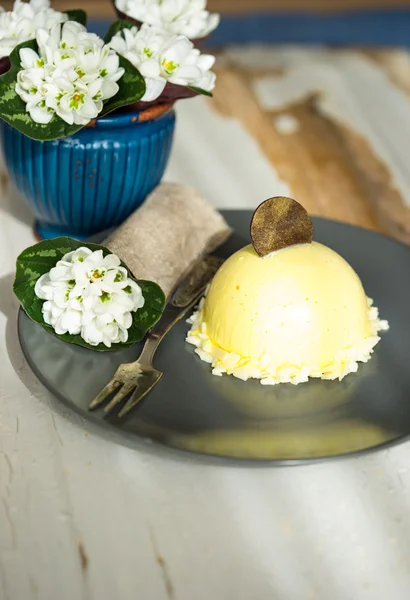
300	312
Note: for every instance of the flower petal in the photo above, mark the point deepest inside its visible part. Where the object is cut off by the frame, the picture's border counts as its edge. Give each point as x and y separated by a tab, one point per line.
28	58
41	115
206	61
154	88
150	68
108	89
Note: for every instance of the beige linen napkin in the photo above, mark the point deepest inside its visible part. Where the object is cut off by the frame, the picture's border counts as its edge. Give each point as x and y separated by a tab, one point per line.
173	228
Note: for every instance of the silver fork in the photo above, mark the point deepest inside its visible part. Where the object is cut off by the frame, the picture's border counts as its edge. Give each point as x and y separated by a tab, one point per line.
141	376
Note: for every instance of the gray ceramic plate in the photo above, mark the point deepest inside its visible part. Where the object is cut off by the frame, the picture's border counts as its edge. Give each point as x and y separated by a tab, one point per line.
221	416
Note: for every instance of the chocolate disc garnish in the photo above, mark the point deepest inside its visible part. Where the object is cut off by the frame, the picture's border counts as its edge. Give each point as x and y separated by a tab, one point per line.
278	223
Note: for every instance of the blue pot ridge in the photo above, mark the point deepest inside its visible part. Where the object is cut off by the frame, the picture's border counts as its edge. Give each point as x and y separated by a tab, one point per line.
95	179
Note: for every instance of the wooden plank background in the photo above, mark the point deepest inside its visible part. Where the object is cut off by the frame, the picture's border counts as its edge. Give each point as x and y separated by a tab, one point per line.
103	9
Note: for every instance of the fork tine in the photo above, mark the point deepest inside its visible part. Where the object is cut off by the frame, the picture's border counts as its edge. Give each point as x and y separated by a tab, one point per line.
131	402
119	396
109	389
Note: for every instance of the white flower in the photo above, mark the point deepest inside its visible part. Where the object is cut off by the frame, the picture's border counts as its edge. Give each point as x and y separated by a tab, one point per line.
91	295
185	17
161	57
71	76
23	22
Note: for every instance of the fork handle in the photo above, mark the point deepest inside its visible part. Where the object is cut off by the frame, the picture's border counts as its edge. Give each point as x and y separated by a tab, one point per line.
172	315
187	294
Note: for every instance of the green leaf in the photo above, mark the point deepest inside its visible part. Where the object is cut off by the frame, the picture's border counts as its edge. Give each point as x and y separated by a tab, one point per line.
13	109
200	91
77	15
117	26
132	83
131	88
42	257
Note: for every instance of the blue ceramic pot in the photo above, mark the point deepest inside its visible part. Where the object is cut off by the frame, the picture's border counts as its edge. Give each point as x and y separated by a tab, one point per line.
93	180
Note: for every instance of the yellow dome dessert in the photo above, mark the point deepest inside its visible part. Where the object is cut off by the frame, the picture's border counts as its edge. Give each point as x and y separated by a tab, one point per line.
296	313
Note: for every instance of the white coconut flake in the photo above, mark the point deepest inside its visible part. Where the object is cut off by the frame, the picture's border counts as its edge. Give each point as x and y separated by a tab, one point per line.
345	362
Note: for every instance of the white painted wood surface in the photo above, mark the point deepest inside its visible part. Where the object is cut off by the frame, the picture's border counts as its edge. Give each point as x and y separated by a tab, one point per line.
83	517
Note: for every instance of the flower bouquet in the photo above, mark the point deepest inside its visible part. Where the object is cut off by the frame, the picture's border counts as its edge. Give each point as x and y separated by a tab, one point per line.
85	295
70	102
176	17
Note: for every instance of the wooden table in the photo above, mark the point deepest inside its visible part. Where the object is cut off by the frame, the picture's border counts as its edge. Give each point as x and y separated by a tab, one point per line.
84	517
